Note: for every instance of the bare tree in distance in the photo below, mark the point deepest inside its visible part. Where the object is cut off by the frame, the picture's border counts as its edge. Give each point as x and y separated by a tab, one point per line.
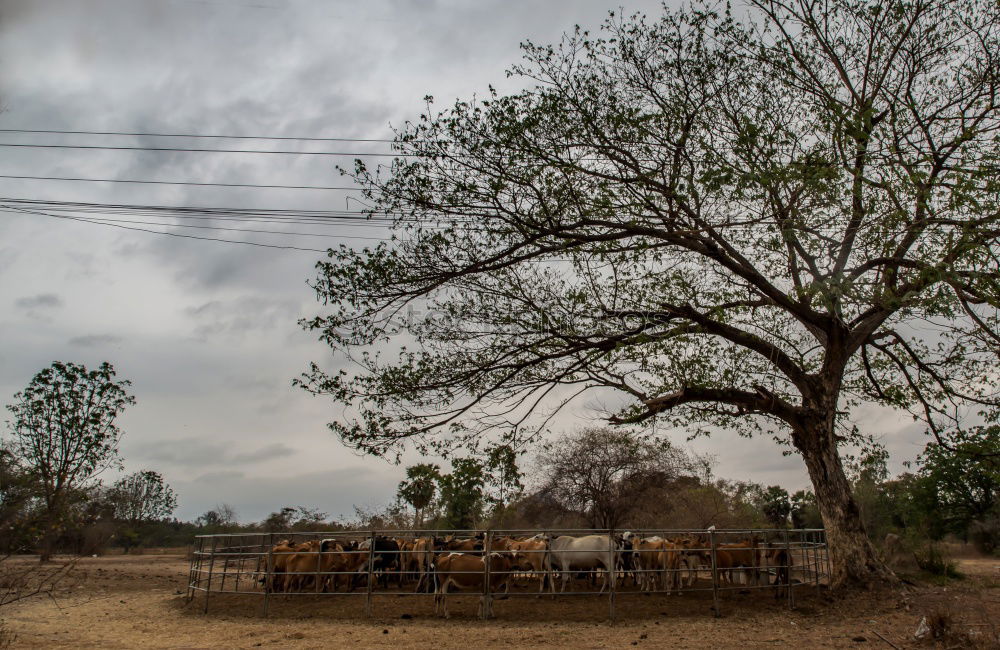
222	517
606	473
64	430
749	224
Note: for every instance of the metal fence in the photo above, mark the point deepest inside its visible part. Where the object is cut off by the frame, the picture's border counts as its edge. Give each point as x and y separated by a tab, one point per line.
507	563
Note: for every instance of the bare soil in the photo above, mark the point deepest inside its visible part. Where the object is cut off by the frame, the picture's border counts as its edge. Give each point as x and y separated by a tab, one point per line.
139	601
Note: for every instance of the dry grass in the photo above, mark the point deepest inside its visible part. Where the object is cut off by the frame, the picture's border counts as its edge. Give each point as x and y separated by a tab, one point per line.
138	601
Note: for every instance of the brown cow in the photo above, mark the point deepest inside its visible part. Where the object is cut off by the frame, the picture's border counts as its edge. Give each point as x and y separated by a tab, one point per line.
419	559
281	553
691	558
467	571
457	545
670	559
745	555
781	561
648	561
532	555
297	568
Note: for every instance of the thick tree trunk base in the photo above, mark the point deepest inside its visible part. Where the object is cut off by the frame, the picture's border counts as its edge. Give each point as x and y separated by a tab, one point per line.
853	560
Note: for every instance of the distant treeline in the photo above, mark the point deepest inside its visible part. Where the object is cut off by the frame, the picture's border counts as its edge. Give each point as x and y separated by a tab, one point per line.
61	436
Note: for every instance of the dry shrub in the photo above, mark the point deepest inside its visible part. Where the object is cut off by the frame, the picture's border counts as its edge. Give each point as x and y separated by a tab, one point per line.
7	636
22	581
12	581
948	631
941	624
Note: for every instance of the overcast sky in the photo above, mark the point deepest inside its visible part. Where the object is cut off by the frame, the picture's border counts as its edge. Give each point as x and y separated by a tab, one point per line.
207	331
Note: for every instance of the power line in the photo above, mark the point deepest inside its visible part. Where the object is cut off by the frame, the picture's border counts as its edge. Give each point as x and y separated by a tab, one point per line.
206	150
109	220
316	217
145	182
160	232
196	135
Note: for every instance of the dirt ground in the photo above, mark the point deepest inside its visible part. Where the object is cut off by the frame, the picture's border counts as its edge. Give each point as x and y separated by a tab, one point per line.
139	601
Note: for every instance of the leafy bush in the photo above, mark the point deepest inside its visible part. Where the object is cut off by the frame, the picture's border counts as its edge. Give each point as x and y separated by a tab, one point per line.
934	562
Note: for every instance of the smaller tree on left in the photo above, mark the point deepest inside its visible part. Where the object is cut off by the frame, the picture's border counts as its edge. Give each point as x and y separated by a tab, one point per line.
63	428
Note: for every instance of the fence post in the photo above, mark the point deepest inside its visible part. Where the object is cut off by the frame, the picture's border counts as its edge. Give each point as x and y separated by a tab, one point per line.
612	574
211	565
811	555
371	574
788	571
225	567
242	565
268	570
195	562
319	557
715	575
486	602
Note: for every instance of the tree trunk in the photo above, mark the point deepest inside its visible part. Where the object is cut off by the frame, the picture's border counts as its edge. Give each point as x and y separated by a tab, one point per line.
50	534
853	559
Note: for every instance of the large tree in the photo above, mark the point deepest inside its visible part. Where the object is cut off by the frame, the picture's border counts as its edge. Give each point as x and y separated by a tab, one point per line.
64	429
750	223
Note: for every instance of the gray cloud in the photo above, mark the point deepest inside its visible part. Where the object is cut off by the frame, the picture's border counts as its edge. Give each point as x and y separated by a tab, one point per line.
95	340
191	452
40	301
215	478
333	492
184	452
241	315
277	450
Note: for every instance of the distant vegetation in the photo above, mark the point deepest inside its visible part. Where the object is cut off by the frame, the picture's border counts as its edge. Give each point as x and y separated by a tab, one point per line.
593	478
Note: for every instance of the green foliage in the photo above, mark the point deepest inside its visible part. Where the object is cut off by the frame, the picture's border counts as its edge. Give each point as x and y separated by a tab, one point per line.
20	510
804	511
958	483
141	497
503	477
462	493
776	505
419	488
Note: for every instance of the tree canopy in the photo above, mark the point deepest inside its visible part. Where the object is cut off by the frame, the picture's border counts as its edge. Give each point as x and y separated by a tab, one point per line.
64	430
753	222
142	497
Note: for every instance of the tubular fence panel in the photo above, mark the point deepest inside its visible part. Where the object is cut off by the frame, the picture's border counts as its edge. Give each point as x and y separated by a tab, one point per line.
507	563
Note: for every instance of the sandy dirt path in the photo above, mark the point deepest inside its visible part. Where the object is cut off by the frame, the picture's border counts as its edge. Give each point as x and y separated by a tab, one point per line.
130	602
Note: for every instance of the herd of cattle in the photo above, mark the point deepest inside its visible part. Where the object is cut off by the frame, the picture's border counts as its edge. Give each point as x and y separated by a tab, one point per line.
438	564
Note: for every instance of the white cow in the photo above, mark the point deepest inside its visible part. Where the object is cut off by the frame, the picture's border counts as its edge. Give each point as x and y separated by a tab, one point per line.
568	554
